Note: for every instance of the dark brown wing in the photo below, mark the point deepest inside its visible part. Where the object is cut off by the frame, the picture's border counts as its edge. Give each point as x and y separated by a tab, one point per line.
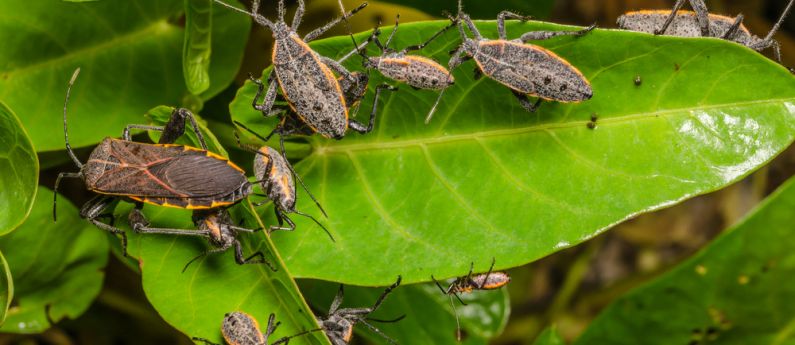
194	173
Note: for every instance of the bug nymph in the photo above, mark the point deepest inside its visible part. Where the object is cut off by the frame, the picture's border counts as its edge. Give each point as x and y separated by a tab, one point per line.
417	71
277	179
701	24
305	78
528	70
339	323
239	328
484	281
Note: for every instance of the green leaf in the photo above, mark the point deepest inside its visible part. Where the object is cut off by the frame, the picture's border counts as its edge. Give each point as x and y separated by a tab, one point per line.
6	288
56	266
160	115
487	179
195	301
735	291
197	49
429	316
549	336
482	9
19	171
130	56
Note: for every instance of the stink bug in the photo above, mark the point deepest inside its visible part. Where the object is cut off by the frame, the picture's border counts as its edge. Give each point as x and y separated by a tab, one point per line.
466	284
417	71
277	179
701	24
305	77
339	323
528	70
239	328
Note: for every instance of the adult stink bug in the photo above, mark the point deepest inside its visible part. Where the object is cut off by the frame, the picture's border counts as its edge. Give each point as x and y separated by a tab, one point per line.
701	24
277	179
239	328
466	284
339	323
305	77
528	70
160	174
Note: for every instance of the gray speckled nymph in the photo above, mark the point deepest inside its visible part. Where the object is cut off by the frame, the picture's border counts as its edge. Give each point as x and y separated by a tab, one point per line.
277	182
416	71
684	24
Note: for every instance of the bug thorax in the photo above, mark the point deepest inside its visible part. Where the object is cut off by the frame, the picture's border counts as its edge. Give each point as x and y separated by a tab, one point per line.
100	161
241	328
470	46
282	31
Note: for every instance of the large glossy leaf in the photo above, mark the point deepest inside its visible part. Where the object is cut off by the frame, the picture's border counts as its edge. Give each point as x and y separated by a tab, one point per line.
487	179
735	291
429	316
482	9
19	171
197	49
6	288
56	266
196	300
130	53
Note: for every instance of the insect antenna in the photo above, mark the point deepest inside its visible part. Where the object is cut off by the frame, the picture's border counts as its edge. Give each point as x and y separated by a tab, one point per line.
257	17
285	340
316	222
780	21
203	254
401	317
457	322
65	132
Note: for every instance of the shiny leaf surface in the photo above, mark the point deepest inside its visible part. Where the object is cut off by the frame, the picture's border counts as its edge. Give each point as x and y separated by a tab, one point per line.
52	282
130	56
487	179
732	292
197	49
6	288
19	171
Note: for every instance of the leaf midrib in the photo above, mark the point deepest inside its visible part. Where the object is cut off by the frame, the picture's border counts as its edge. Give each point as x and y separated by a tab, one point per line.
321	150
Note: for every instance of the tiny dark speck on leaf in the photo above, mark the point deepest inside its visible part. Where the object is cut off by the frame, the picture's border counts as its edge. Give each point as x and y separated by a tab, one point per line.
396	136
638	81
676	67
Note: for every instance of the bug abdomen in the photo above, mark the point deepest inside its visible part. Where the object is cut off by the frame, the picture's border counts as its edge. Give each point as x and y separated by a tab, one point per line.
240	328
416	71
532	70
685	24
310	87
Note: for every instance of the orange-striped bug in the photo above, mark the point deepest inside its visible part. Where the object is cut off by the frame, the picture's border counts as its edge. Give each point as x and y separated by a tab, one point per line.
338	324
526	69
701	23
239	328
305	78
277	179
485	281
162	174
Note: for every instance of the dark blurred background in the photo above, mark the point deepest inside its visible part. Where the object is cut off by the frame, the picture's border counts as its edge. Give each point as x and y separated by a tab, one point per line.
568	288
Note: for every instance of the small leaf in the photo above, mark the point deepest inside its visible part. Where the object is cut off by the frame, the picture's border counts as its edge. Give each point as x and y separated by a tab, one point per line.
19	171
486	179
130	55
56	266
197	48
429	316
6	288
549	336
735	291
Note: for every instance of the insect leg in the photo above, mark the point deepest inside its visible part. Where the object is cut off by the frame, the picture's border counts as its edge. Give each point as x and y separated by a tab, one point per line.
525	102
773	30
251	259
321	30
335	304
339	68
670	18
702	14
422	45
299	14
281	216
356	126
55	190
392	34
378	331
486	279
474	30
92	209
176	127
140	224
204	341
270	95
458	58
733	28
501	22
545	35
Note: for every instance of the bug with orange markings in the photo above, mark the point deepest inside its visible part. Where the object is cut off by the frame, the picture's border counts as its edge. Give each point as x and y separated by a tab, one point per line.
239	328
701	23
162	174
484	281
306	79
526	69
